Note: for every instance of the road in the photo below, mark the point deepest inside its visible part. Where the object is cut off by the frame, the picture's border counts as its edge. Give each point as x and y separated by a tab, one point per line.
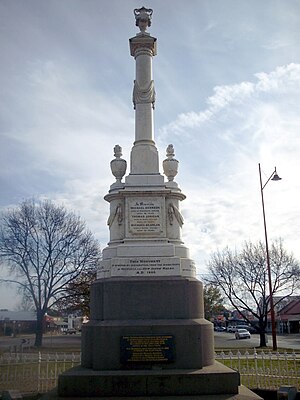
223	340
49	341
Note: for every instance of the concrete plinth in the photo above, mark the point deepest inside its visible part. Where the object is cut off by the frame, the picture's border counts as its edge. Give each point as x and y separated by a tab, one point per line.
122	307
102	343
215	379
243	394
131	298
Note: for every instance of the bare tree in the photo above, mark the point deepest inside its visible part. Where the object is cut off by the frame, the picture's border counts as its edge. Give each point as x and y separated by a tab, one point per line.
242	277
46	248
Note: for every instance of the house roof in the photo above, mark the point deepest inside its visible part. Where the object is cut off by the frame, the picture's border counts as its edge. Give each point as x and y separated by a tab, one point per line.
281	302
292	308
6	315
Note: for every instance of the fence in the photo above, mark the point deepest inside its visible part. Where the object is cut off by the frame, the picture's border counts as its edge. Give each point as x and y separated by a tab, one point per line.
261	370
38	372
34	372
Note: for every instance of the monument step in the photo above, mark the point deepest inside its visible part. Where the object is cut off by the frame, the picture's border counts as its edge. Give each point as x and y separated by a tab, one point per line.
84	382
243	394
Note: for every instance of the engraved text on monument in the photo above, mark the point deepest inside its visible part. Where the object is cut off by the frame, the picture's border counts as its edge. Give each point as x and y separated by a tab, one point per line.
145	216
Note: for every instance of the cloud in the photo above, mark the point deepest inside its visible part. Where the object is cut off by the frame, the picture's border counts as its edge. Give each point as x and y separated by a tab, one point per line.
226	95
276	44
284	79
62	127
219	149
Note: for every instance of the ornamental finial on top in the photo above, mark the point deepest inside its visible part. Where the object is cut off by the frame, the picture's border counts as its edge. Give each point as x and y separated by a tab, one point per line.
143	18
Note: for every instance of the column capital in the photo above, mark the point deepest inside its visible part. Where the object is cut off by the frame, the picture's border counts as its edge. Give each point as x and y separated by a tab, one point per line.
143	42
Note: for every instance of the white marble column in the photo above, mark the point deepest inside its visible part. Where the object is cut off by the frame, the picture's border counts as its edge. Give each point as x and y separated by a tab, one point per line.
144	155
143	97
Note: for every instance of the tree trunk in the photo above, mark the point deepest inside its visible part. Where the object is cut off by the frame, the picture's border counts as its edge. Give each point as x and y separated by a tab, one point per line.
39	329
262	339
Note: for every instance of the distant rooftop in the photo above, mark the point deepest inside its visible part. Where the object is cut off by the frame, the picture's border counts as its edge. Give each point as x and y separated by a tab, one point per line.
17	315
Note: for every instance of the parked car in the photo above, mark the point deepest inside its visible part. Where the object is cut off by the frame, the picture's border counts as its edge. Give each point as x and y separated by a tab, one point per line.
243	326
70	331
220	328
242	334
251	329
231	328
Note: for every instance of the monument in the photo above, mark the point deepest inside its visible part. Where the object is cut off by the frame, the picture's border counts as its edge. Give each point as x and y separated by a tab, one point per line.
147	335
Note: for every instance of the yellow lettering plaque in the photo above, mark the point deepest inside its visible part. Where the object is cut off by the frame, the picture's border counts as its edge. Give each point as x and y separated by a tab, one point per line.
147	349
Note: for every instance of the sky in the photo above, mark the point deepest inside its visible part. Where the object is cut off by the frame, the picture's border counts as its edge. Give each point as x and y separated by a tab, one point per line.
227	81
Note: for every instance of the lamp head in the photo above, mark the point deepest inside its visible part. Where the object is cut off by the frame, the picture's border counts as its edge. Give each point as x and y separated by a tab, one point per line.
275	176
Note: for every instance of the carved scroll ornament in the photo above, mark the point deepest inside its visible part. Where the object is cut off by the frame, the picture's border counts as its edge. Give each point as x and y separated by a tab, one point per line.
118	212
174	212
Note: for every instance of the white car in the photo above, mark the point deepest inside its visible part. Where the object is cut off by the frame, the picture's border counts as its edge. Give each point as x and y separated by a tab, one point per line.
231	328
70	331
242	334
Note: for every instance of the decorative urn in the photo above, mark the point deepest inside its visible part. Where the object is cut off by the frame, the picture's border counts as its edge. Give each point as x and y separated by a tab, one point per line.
118	165
170	164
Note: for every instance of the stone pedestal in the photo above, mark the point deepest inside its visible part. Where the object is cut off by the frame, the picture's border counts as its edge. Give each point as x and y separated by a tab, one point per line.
156	307
149	315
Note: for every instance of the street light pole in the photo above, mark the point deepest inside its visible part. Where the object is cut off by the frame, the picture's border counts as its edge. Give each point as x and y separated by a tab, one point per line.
274	177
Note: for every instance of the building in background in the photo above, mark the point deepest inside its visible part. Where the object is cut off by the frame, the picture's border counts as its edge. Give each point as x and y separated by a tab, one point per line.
13	323
288	315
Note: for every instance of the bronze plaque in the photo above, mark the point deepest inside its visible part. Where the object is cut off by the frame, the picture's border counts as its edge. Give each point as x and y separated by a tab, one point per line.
147	349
